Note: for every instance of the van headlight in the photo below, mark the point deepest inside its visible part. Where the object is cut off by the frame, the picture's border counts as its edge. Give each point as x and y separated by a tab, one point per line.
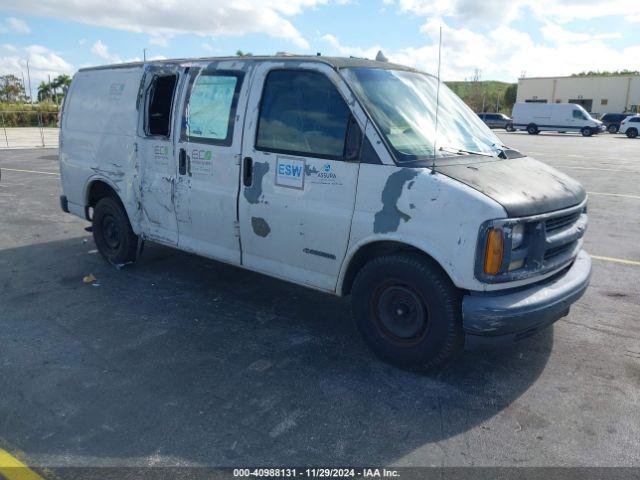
501	248
517	236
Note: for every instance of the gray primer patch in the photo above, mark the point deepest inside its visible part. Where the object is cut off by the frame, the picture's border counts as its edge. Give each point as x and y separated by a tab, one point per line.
260	226
254	192
388	219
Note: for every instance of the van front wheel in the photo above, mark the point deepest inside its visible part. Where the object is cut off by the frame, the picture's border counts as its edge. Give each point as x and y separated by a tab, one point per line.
532	129
112	232
407	310
586	132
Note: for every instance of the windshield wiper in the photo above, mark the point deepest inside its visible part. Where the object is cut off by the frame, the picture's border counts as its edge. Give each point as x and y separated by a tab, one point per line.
460	151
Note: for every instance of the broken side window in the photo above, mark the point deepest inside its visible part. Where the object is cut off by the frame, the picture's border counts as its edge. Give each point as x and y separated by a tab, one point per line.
159	105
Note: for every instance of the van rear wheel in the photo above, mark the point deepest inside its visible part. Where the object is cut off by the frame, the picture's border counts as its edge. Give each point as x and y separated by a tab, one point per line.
407	310
112	232
612	129
586	132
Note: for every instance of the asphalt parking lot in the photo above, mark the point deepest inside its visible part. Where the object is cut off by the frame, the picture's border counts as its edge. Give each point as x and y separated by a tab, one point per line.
179	360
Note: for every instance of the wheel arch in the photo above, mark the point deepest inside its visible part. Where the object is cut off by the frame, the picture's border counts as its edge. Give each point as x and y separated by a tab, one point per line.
98	187
372	248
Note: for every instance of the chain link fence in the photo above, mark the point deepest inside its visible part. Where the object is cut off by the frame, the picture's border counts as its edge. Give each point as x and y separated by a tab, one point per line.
28	129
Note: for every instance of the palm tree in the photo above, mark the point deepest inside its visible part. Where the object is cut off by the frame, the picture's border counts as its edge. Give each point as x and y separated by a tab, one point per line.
44	91
63	82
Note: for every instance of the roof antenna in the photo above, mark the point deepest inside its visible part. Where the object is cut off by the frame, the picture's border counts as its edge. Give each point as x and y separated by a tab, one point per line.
435	137
380	57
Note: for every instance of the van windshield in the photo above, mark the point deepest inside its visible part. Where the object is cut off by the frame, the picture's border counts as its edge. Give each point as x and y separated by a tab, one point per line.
403	105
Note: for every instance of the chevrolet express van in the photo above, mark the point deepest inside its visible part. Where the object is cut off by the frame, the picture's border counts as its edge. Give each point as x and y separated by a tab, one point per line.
554	117
330	173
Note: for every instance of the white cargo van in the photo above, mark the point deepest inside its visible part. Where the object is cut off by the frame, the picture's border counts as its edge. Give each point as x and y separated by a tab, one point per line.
323	172
554	117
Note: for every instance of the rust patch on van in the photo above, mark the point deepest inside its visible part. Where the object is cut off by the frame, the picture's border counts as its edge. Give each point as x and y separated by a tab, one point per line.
260	226
388	219
254	192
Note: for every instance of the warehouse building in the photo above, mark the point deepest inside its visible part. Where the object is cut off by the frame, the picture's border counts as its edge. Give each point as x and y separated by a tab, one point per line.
598	95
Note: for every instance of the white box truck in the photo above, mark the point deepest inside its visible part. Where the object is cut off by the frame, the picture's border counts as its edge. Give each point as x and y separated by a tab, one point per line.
330	173
537	117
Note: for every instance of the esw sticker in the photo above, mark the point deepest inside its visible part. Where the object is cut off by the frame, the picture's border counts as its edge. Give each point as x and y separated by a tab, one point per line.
290	172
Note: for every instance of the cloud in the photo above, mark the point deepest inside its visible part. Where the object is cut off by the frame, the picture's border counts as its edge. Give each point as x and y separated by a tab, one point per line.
501	12
484	39
162	20
14	25
503	53
99	49
338	49
43	63
559	35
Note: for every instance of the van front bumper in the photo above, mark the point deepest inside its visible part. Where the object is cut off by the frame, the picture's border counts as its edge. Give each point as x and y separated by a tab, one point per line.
505	317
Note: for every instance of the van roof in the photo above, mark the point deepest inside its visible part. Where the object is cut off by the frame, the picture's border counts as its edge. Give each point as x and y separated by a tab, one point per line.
335	62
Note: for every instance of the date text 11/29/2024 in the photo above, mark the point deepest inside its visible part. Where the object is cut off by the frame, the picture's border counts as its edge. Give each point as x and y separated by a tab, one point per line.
315	473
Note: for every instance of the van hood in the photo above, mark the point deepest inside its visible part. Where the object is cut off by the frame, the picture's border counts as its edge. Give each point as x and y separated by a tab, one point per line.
523	186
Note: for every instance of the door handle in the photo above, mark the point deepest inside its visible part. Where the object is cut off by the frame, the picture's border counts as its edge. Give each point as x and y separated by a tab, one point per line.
247	171
182	162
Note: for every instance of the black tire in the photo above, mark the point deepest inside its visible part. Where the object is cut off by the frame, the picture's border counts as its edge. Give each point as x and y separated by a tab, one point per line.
586	132
407	310
509	127
112	232
632	132
612	129
532	129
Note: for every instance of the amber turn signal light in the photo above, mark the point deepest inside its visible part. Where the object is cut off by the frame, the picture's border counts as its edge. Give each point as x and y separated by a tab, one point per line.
493	258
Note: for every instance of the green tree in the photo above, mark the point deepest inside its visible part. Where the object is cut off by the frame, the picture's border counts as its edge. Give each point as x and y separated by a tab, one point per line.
510	94
61	82
44	91
11	89
240	53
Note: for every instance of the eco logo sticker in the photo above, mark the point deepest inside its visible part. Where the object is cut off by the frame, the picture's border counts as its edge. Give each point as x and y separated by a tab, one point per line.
201	161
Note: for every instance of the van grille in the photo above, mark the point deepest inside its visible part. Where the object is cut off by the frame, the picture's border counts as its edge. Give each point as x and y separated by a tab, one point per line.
551	242
562	221
562	237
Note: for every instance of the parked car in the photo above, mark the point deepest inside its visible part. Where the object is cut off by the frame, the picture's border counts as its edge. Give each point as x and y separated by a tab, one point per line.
495	120
323	172
612	121
556	117
630	126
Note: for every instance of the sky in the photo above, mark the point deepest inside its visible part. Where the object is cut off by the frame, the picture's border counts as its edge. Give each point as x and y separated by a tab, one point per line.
500	39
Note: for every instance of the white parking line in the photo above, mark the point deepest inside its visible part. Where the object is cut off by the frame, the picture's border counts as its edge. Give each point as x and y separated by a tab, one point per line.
28	171
623	195
616	260
600	169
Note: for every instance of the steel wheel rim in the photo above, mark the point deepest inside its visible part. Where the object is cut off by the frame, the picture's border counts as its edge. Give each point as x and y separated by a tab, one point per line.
401	314
110	232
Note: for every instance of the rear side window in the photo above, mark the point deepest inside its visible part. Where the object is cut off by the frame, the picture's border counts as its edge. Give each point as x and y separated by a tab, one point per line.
209	113
635	119
302	113
160	103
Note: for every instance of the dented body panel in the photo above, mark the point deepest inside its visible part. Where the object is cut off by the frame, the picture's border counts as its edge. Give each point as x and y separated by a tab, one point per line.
98	140
205	185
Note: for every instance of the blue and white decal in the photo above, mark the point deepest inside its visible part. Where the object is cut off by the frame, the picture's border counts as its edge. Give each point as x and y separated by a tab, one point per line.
290	172
326	175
